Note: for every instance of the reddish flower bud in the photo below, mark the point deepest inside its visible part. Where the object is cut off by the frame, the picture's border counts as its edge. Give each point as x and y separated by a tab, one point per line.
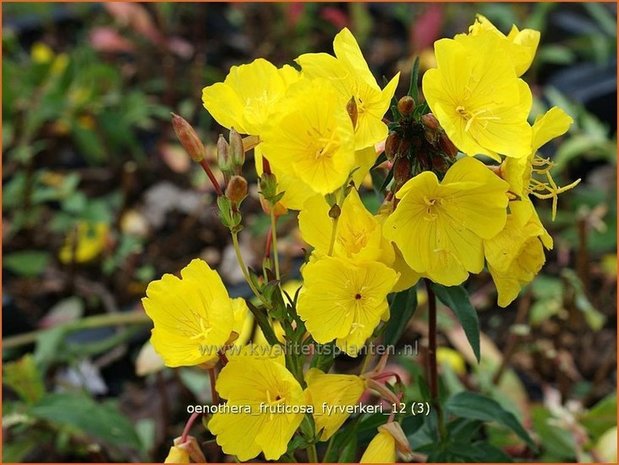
406	105
236	190
188	138
391	145
447	146
429	121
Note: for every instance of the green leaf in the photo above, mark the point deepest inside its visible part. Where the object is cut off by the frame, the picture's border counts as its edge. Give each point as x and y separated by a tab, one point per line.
457	299
557	442
601	417
83	415
48	345
29	263
24	378
477	407
413	88
402	309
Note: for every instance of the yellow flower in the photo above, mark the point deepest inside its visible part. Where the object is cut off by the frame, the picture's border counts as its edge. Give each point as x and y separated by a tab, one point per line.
249	95
358	234
344	301
193	316
350	72
243	321
477	97
516	255
296	192
518	46
91	239
267	395
531	175
177	455
439	227
329	395
381	449
312	138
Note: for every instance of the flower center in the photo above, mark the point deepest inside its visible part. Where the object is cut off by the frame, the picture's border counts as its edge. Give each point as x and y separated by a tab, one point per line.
478	115
546	188
205	328
431	206
326	146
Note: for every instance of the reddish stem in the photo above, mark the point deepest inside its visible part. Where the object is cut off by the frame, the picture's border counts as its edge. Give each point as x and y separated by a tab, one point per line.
214	396
269	242
211	176
188	425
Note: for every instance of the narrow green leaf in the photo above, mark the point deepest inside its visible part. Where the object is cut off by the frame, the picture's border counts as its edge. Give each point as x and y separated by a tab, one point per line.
477	407
457	299
413	89
401	310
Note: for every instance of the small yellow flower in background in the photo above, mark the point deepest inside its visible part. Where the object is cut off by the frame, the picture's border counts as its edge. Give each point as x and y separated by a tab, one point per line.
439	227
519	46
358	235
87	242
381	449
477	97
193	316
344	301
249	95
447	356
353	78
313	137
333	391
41	53
263	385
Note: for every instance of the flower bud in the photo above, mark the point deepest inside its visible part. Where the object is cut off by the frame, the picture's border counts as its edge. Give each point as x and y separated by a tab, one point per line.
236	190
351	108
335	211
188	138
429	121
447	146
401	171
223	155
391	145
237	152
406	105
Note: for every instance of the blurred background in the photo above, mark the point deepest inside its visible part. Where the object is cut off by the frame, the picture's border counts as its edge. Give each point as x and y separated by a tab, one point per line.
99	199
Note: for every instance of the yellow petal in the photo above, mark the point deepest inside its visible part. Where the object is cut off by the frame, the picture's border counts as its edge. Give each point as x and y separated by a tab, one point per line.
381	449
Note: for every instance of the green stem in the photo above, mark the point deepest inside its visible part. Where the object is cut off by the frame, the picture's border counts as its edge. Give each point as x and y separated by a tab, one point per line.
312	454
329	448
274	245
96	321
333	235
239	258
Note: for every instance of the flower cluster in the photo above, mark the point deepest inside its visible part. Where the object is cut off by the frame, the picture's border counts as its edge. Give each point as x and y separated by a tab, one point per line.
462	168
